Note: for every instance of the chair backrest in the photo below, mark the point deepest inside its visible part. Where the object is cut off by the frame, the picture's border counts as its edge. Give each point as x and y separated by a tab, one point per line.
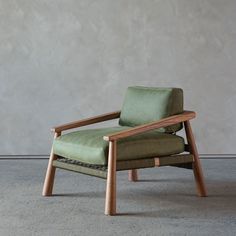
147	104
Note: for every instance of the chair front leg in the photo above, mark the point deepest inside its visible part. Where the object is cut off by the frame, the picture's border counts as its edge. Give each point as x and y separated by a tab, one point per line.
50	174
110	205
197	169
133	175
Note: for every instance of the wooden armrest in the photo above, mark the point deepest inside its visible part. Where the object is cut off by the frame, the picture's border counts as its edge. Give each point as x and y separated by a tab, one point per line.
171	120
89	121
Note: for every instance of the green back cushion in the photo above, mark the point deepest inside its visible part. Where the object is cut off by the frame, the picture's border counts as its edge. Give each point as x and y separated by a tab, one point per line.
143	105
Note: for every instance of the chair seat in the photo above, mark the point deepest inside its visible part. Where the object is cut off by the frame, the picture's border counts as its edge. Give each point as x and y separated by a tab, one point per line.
88	145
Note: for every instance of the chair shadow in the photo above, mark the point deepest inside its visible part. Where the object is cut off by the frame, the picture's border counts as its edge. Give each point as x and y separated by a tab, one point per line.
221	197
153	180
83	194
139	214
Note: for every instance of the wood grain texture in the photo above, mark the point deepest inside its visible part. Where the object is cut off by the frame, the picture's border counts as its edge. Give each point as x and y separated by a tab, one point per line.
133	175
88	121
197	169
110	205
186	115
50	174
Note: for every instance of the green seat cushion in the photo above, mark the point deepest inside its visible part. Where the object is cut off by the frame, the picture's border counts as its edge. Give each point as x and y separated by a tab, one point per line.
88	146
143	105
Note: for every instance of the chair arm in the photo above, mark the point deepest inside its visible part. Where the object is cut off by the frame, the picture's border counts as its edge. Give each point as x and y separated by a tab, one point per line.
89	121
171	120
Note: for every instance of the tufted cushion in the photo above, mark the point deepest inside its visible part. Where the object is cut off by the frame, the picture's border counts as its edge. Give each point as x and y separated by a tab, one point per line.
143	105
88	146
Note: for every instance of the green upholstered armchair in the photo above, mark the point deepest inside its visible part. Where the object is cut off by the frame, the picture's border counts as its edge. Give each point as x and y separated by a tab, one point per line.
145	137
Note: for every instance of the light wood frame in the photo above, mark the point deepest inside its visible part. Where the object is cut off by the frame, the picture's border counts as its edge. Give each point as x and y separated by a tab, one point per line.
50	174
110	203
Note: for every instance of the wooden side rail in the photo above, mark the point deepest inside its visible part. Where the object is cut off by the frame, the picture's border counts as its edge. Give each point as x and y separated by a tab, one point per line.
186	115
89	121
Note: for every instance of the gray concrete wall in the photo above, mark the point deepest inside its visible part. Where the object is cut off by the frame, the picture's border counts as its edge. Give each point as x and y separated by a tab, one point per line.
62	60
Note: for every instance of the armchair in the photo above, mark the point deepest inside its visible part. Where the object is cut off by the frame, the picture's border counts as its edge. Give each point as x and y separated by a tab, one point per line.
146	137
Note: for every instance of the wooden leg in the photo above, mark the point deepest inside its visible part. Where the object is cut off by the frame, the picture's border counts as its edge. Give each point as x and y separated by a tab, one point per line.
197	169
110	206
49	179
133	175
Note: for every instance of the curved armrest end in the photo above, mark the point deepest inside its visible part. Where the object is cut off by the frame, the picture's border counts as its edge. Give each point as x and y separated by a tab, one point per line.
89	121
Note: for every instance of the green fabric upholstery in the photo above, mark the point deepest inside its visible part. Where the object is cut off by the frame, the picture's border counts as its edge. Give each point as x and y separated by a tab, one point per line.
88	145
143	105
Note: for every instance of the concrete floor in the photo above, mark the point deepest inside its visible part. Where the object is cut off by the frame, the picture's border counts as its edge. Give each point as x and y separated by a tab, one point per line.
163	202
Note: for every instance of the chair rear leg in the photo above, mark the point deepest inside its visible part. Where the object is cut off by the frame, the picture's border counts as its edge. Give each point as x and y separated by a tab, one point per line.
110	205
133	175
197	169
50	174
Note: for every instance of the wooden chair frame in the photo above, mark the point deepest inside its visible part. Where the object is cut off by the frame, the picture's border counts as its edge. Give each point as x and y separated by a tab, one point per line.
110	204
